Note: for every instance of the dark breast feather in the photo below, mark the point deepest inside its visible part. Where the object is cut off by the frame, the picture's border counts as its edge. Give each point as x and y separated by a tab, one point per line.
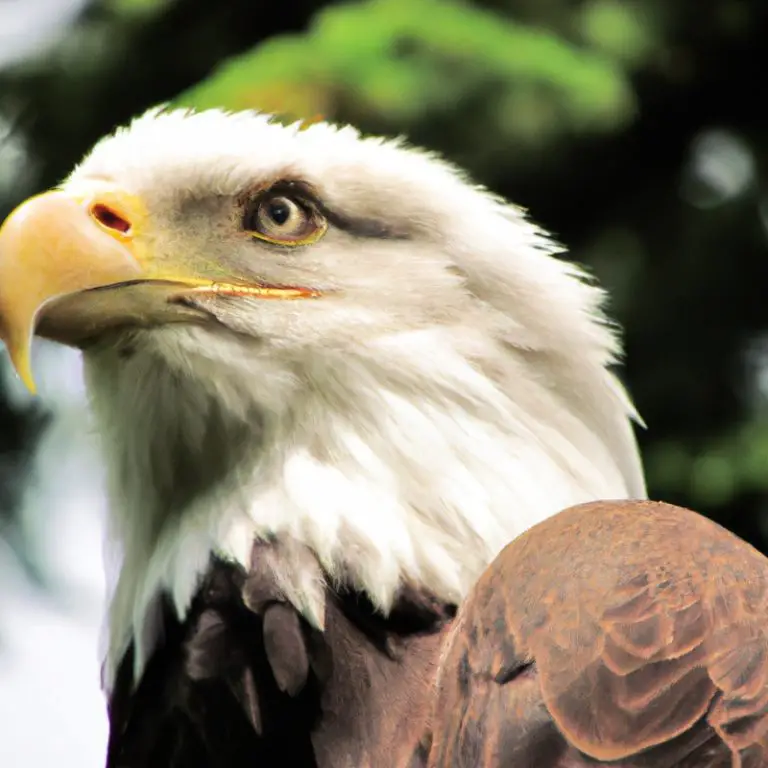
233	687
207	697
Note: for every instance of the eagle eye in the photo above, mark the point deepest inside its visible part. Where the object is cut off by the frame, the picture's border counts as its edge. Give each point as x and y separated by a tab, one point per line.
283	219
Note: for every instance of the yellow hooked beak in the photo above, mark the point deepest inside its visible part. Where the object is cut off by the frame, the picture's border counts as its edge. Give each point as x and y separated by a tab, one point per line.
58	254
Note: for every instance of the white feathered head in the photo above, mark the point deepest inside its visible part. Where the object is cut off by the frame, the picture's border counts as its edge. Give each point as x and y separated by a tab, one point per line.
299	330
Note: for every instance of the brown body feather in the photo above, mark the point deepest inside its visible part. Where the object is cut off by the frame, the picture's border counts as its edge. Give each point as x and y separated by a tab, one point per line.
625	634
631	633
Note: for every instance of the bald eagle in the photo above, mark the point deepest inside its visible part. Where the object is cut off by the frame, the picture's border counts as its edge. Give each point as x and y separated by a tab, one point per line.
333	379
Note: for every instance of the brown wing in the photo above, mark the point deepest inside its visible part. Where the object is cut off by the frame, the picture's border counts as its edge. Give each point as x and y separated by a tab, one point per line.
627	633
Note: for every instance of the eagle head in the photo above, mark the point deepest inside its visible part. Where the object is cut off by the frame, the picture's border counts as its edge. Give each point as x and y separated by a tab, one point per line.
304	332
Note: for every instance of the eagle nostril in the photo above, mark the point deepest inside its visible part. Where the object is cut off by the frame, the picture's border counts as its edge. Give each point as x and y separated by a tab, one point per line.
110	219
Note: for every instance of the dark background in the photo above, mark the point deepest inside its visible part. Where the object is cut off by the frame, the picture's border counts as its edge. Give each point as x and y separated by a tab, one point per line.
634	131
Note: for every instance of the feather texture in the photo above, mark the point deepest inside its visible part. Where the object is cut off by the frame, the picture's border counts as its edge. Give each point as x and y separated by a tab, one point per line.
623	634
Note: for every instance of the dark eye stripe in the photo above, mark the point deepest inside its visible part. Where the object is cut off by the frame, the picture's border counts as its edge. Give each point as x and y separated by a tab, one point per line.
363	227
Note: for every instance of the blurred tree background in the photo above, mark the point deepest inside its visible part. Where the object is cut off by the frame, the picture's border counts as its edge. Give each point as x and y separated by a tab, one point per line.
634	131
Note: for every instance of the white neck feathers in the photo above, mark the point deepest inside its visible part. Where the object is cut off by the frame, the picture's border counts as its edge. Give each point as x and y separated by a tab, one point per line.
419	471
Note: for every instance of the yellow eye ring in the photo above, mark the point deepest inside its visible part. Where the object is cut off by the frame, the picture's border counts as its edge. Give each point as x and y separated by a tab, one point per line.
281	219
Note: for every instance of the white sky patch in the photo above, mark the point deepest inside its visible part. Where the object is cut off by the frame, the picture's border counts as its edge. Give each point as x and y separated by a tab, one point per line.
50	701
26	26
51	705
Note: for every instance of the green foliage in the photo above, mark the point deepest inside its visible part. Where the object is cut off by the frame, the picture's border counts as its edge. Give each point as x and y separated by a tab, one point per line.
137	8
403	61
716	473
623	30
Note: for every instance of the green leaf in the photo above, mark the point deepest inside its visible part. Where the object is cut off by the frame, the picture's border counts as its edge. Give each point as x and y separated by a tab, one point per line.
403	60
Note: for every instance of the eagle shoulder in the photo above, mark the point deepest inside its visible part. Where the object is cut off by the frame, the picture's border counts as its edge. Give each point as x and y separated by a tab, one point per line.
634	632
